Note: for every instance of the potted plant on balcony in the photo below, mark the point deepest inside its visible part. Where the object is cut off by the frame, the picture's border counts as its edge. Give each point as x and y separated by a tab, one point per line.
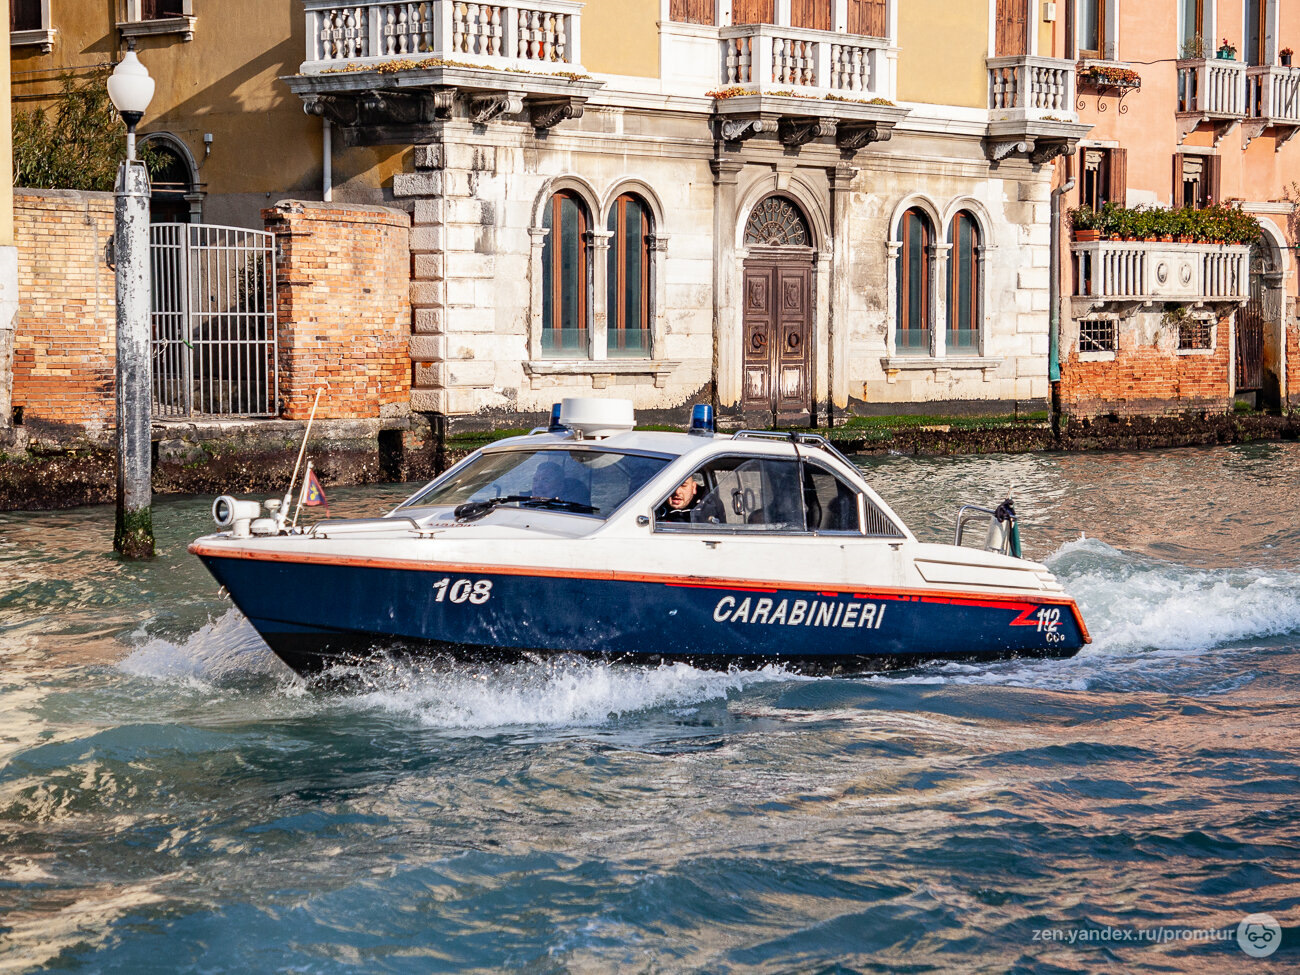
1085	222
1285	55
1193	47
1227	50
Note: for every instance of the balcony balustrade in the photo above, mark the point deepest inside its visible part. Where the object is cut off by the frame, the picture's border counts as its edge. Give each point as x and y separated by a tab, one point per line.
1211	90
767	59
1273	101
1026	88
1148	271
538	35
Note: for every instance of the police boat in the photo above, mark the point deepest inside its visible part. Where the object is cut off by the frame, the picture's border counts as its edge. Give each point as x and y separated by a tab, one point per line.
591	537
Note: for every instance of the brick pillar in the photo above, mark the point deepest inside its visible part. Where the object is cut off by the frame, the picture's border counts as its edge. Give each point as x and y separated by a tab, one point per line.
343	303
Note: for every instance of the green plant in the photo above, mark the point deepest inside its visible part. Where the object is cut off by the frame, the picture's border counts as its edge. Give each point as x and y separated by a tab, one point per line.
1194	47
81	146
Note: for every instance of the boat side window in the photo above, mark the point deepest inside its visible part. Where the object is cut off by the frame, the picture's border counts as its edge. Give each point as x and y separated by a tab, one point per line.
830	504
749	494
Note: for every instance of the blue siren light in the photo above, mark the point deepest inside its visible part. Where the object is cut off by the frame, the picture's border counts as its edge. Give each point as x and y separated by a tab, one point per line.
556	426
702	420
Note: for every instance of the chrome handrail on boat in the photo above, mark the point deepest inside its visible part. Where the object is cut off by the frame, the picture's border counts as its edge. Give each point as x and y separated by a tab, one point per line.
968	512
814	439
345	525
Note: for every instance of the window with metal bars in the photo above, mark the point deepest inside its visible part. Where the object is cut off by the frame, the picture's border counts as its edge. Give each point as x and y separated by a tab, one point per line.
1097	335
1195	333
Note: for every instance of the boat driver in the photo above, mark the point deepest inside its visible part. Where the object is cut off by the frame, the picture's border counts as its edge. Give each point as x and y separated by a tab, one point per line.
684	504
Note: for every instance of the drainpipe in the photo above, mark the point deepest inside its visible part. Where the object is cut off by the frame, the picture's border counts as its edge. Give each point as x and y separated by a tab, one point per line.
1054	286
326	162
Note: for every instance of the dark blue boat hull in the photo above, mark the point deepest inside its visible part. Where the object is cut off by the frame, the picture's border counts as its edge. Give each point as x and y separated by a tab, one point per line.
316	612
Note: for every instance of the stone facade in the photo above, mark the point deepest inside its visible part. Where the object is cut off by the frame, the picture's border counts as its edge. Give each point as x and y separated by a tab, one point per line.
342	297
64	332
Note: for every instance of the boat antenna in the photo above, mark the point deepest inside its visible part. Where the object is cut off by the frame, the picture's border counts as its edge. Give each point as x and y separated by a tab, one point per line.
288	494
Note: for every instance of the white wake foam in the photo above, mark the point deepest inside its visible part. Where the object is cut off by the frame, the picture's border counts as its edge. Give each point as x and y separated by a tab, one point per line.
1133	604
566	692
225	647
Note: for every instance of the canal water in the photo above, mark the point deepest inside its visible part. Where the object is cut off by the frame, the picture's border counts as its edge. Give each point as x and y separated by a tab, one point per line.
173	799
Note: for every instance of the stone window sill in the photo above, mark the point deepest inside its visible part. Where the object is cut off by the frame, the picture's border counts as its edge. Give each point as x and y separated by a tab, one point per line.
658	368
1096	356
33	38
153	28
1196	351
945	362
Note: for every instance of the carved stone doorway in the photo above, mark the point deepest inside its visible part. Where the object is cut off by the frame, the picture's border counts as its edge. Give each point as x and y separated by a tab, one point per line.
778	304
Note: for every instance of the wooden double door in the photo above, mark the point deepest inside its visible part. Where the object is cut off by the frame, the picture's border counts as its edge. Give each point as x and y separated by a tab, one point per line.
778	335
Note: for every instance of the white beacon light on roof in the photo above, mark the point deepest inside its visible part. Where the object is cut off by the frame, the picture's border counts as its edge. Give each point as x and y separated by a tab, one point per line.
597	417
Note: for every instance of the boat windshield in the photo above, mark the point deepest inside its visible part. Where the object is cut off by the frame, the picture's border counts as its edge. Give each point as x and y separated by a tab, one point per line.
587	482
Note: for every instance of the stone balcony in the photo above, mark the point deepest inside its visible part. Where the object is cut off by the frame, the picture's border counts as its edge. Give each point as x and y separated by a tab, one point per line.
769	59
1273	102
391	72
1032	107
1114	273
1213	91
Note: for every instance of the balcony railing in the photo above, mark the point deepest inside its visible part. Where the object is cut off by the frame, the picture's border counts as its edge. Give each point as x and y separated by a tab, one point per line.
767	59
1031	88
538	34
1112	270
1212	87
1273	93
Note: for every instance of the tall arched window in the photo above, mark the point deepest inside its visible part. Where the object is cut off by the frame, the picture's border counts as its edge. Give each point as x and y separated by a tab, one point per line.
564	277
916	235
963	284
627	278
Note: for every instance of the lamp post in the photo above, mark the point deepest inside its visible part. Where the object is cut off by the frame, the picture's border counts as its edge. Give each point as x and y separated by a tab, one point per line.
131	90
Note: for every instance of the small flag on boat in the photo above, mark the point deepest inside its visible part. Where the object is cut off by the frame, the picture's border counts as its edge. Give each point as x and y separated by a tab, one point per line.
312	493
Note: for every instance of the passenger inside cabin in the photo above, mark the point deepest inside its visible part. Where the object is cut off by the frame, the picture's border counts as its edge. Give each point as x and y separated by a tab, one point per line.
548	482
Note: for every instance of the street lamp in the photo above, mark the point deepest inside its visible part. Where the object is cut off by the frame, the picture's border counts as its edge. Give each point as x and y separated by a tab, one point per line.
131	90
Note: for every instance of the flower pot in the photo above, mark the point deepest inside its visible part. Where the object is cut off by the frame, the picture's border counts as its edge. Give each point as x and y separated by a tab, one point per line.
1286	60
1227	54
1184	239
1167	239
1087	236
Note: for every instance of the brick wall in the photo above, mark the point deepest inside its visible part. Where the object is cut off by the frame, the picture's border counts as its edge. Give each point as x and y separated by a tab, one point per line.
343	297
64	337
1148	378
1292	332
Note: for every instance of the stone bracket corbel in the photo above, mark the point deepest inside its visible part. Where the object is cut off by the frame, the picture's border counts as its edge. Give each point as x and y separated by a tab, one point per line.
1045	151
738	130
548	113
1000	150
852	136
795	132
484	108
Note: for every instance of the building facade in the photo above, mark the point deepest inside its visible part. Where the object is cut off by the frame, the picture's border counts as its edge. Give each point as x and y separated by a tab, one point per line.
1192	103
793	208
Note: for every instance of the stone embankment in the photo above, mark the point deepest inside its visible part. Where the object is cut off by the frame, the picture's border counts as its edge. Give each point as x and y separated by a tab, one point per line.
60	469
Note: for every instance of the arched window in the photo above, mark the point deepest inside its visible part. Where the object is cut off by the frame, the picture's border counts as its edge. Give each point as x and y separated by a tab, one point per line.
564	277
913	330
777	221
963	284
627	305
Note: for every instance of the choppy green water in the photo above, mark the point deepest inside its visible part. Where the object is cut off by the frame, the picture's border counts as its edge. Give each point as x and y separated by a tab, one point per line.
172	799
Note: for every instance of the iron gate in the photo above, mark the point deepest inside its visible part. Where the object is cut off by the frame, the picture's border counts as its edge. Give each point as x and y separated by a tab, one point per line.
214	325
1250	323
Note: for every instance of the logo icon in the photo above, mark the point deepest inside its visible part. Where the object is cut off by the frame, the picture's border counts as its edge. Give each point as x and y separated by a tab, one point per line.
1259	935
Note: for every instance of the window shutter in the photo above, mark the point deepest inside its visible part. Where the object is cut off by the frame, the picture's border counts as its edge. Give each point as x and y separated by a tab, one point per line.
1178	179
754	12
869	18
1117	191
1210	194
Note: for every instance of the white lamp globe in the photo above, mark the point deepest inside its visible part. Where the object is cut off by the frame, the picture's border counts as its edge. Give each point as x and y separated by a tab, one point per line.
130	87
